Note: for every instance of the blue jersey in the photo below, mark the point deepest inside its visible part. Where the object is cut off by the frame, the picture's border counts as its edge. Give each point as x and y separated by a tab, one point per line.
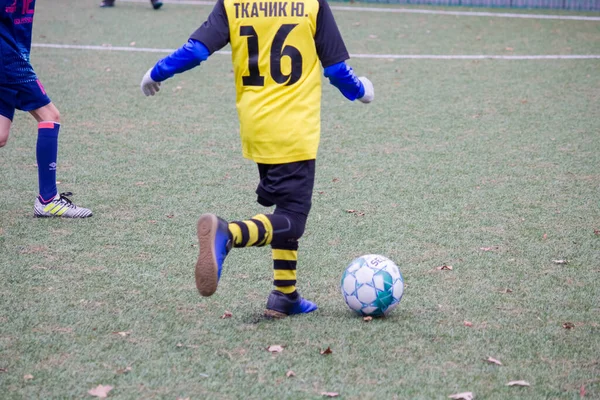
16	23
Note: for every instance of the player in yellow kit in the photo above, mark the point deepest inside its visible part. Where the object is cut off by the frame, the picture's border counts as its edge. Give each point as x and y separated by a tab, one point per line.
277	47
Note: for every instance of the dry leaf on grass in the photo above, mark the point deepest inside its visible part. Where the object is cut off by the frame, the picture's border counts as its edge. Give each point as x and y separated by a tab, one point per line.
507	290
444	267
368	318
3	369
597	232
560	262
468	324
123	334
290	373
27	377
568	325
326	351
582	391
123	370
462	396
100	391
330	394
275	348
518	383
493	361
227	314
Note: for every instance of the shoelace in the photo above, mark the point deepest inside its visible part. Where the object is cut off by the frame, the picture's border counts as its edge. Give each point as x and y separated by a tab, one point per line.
65	199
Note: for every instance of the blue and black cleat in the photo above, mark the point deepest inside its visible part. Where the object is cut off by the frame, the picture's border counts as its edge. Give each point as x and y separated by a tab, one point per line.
281	305
156	4
214	242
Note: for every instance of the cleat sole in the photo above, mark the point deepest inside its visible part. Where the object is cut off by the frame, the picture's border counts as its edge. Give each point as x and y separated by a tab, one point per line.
272	314
207	270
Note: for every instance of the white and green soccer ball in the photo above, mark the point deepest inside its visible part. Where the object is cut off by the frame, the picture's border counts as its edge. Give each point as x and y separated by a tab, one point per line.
372	285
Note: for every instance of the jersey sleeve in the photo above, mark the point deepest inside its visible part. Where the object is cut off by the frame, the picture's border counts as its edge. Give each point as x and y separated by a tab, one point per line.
214	32
328	39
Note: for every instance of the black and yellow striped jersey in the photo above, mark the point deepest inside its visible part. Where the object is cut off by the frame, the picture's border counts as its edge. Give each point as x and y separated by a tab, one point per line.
276	49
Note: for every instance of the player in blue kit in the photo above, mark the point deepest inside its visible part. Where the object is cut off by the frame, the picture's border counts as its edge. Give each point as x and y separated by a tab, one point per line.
20	89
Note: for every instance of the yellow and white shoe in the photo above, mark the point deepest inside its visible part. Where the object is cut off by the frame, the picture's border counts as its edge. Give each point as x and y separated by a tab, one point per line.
61	206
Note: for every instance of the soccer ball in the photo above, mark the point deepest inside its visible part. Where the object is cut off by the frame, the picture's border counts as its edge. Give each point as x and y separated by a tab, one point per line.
372	285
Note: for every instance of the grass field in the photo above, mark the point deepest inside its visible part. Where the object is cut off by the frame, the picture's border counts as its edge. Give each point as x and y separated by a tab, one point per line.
490	166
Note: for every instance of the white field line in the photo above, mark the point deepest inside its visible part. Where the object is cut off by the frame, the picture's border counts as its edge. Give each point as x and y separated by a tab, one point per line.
411	11
378	56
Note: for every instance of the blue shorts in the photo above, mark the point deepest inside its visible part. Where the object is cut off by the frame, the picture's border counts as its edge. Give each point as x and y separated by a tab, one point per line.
289	186
26	96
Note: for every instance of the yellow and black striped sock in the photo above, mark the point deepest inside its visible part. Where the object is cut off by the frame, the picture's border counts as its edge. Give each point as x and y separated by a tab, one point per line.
284	268
257	231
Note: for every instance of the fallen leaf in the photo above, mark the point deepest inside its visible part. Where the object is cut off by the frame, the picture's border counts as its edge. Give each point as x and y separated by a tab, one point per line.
169	215
330	394
107	69
182	398
326	351
372	36
468	323
123	370
582	391
132	44
568	325
518	383
27	377
596	232
123	334
3	369
227	314
335	180
100	391
140	183
507	290
290	373
462	396
545	236
560	262
275	348
350	211
508	49
493	361
368	319
179	345
444	268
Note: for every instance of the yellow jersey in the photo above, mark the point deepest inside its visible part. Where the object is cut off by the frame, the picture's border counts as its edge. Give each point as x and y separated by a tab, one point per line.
276	49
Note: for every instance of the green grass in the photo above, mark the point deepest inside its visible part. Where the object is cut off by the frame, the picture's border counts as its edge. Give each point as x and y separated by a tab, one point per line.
452	157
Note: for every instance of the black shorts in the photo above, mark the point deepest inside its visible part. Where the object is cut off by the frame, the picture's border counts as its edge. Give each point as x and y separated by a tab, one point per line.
289	186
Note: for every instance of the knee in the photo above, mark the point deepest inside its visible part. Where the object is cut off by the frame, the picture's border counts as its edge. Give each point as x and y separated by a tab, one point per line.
3	138
297	221
54	116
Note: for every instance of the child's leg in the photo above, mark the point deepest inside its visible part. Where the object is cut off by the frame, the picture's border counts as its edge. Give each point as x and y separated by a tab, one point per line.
281	230
48	119
7	112
5	124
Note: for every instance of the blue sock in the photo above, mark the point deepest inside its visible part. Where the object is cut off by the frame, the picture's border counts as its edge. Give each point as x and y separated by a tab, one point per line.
47	153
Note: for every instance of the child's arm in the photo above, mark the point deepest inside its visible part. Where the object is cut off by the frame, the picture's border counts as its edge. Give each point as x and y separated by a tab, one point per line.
352	87
188	56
